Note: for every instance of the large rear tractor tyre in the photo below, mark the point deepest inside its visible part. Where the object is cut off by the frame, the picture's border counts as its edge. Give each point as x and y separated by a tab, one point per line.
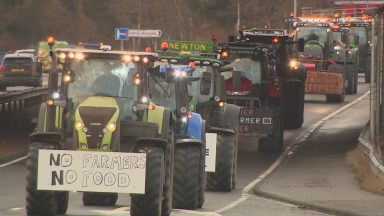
99	199
150	203
274	141
352	79
202	175
37	202
186	176
221	179
166	208
294	94
62	202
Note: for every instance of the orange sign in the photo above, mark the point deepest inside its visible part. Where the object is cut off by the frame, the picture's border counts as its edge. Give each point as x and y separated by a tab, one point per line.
324	83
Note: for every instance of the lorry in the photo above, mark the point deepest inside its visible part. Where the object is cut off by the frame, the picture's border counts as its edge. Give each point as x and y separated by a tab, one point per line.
20	69
208	98
266	82
99	133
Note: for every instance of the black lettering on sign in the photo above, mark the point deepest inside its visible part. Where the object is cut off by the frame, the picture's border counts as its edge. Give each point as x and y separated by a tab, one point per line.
52	159
110	179
206	152
55	178
64	160
123	180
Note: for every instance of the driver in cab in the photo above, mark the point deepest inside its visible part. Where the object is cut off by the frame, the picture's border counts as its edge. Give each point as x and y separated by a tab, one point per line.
107	84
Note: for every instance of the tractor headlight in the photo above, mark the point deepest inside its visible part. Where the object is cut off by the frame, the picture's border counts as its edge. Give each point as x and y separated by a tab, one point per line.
111	127
79	125
294	64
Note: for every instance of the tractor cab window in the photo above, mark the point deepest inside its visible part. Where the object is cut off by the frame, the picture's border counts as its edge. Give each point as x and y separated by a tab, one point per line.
362	33
313	34
194	87
250	68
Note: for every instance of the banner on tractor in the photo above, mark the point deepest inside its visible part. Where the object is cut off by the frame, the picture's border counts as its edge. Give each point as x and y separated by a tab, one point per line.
210	152
190	46
113	172
324	83
255	120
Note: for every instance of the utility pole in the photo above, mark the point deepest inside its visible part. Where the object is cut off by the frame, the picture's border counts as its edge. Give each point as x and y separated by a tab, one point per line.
238	17
295	7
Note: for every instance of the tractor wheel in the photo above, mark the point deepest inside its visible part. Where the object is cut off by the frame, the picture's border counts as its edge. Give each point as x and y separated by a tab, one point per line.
352	79
99	199
274	141
294	92
202	175
166	208
37	202
222	179
150	203
62	202
335	98
234	172
186	176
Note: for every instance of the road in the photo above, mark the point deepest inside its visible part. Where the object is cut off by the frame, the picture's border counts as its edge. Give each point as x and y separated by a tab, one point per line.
252	164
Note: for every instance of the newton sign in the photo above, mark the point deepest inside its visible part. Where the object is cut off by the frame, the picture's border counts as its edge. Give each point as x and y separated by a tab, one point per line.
113	172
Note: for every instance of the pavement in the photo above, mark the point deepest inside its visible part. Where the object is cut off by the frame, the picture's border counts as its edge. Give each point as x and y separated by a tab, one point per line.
317	175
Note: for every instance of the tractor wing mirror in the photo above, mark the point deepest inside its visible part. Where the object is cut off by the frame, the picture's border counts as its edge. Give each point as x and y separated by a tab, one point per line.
205	84
300	44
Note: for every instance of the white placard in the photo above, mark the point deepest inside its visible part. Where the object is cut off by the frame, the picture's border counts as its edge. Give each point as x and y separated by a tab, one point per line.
114	172
210	152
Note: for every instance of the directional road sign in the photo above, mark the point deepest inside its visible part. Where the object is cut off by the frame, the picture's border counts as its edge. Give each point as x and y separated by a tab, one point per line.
122	33
144	33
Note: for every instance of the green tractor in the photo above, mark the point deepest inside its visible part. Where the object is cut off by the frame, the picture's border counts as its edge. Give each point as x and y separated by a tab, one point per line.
99	114
207	97
329	59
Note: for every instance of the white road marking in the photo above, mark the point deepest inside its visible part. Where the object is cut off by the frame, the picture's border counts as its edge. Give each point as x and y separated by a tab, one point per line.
114	211
288	152
16	209
12	162
198	212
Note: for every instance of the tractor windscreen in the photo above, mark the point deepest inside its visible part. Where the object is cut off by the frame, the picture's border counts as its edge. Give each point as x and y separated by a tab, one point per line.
102	77
362	33
249	64
194	87
313	33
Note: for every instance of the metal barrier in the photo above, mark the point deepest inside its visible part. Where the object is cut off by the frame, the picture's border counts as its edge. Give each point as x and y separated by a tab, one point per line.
20	100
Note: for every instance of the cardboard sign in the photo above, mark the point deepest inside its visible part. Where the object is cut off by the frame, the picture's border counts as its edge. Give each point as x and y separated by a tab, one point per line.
323	83
210	152
255	120
91	171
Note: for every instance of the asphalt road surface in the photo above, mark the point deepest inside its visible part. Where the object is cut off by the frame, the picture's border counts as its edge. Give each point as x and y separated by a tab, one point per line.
253	167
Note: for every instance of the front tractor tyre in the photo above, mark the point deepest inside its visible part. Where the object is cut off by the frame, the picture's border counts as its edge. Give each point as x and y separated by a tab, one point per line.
186	176
150	203
40	202
274	141
294	92
221	179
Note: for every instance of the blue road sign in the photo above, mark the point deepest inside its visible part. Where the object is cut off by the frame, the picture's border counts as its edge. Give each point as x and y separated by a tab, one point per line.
121	33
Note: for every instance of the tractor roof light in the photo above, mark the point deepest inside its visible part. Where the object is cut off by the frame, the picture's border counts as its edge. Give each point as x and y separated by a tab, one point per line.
67	78
145	60
148	49
51	41
164	46
127	58
71	55
79	56
136	58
